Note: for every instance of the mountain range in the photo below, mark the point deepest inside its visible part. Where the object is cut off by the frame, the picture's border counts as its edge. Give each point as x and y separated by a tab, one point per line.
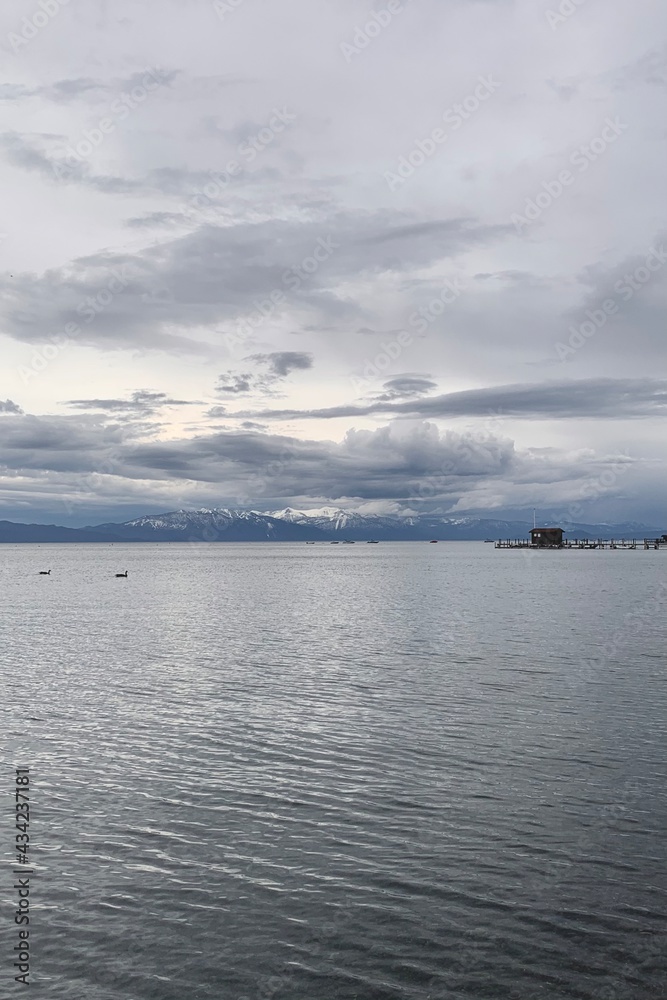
324	524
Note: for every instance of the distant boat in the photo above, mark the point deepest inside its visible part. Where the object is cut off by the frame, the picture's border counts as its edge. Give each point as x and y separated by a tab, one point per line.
310	543
348	541
492	540
434	541
371	541
335	543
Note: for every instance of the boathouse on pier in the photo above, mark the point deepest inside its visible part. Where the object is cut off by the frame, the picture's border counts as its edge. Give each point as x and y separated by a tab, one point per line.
546	537
552	538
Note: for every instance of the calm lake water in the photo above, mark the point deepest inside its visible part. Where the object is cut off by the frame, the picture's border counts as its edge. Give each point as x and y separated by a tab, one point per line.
289	772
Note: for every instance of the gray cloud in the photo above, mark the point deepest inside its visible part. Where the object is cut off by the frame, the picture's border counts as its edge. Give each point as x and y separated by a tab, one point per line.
47	155
366	463
281	363
233	385
9	406
67	90
598	398
272	369
27	153
224	275
405	386
649	68
141	402
408	463
157	219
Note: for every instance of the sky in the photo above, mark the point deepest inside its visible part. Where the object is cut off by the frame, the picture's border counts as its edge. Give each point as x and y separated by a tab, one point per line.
397	256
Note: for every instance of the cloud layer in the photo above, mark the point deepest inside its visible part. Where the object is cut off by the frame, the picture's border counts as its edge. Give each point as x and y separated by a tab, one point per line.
408	260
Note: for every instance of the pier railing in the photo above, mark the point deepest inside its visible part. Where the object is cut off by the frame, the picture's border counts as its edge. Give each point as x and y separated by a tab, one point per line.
586	543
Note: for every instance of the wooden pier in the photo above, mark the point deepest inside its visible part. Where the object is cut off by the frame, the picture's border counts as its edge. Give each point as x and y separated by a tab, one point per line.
585	543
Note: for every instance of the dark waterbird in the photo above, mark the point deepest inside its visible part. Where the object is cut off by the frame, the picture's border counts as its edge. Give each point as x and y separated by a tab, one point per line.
45	572
121	574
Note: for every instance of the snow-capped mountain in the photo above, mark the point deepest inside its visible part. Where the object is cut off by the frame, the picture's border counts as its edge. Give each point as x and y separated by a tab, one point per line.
335	523
323	524
206	525
301	516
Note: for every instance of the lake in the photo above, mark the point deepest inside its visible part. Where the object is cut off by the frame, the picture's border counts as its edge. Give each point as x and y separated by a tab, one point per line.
290	772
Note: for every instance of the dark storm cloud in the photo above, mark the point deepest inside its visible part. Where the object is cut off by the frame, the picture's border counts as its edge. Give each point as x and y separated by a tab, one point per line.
406	463
385	462
59	444
599	398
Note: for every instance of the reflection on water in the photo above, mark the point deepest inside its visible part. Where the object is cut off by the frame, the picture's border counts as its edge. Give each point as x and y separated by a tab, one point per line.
296	772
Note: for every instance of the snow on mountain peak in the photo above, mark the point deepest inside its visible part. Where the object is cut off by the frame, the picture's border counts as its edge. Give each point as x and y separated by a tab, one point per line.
291	514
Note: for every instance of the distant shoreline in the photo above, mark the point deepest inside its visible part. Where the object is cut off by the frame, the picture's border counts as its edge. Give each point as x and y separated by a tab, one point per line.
323	527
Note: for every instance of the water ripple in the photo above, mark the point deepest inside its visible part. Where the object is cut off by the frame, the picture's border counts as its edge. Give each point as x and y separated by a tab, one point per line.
277	773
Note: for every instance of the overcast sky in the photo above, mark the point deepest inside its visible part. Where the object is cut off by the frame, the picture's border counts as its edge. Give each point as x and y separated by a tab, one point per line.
395	255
